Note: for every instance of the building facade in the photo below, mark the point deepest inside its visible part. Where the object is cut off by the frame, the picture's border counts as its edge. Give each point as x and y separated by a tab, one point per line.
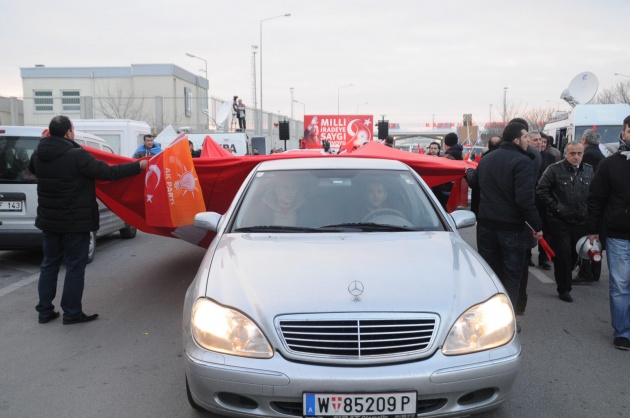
159	94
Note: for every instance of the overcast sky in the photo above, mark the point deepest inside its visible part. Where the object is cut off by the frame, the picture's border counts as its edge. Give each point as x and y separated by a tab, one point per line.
408	60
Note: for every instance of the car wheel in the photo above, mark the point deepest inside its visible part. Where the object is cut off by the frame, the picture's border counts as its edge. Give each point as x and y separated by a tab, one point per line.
192	402
128	232
92	247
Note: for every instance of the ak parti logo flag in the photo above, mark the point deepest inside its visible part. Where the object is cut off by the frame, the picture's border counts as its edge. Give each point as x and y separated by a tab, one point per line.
172	194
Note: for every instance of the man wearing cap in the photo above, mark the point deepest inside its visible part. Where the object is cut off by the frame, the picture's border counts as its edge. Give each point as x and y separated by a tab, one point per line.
148	149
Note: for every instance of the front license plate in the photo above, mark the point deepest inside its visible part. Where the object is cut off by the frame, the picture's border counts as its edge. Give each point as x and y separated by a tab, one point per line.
395	404
11	205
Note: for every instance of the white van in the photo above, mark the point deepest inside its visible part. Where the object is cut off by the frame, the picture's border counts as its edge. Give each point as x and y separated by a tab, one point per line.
123	135
570	126
18	191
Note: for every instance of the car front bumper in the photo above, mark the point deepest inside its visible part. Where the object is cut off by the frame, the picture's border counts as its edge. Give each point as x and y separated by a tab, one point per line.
446	385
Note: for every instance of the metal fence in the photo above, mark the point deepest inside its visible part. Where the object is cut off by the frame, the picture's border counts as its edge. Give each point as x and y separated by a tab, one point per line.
195	114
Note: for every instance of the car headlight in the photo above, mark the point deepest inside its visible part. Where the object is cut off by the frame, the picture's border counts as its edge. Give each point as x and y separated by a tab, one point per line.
225	330
484	326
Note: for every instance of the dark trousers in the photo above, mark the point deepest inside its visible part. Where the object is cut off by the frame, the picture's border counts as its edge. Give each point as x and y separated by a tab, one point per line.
565	236
504	251
242	124
73	249
521	301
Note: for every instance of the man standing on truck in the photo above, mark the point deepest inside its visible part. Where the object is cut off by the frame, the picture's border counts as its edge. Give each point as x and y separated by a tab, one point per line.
240	114
148	149
67	212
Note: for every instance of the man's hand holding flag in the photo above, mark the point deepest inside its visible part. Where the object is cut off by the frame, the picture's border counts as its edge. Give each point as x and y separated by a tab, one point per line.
172	193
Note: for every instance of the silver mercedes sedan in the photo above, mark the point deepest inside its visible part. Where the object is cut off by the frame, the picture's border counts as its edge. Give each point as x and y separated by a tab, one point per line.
338	287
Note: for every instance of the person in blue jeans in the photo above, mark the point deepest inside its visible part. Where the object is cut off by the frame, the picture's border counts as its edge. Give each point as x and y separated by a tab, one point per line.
608	204
67	212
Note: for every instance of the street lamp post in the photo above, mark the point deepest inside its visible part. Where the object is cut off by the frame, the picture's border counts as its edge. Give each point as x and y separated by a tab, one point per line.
261	65
254	50
360	105
490	115
303	105
291	88
205	70
505	104
338	89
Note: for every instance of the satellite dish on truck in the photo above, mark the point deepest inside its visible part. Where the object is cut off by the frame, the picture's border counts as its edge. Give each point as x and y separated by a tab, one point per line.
581	89
223	113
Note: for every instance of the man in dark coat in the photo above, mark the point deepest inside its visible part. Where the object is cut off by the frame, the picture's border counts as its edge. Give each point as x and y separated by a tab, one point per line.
563	190
67	212
506	180
592	154
609	204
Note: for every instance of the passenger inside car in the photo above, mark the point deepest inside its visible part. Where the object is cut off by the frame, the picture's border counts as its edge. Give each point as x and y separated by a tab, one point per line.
281	205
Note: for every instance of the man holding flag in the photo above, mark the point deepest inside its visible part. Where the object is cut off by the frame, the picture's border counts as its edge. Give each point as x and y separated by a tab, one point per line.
67	212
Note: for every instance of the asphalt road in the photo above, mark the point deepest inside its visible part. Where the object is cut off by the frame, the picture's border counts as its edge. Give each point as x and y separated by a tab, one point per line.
128	362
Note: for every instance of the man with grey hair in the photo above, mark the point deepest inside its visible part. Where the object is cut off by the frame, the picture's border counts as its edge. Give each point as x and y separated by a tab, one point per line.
592	154
563	190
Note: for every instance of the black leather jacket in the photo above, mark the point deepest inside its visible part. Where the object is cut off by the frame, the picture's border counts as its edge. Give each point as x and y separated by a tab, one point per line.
563	192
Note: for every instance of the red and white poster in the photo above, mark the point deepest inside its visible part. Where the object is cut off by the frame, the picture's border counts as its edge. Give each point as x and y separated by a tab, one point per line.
338	130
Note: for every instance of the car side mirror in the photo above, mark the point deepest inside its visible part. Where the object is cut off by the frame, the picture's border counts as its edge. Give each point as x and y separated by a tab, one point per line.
208	221
464	218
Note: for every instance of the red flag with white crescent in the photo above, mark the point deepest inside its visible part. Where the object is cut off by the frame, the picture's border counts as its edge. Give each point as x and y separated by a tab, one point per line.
172	193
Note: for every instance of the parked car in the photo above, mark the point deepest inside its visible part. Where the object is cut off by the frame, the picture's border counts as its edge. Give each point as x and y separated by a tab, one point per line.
339	287
18	191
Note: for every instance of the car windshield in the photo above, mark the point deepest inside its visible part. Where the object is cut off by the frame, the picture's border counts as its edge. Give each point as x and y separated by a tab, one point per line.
15	155
336	200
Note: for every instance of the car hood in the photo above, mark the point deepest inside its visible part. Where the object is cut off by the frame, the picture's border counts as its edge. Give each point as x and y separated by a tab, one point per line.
265	275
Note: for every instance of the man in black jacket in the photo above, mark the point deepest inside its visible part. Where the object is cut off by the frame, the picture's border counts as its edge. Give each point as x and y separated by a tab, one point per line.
592	154
506	180
609	203
563	189
67	212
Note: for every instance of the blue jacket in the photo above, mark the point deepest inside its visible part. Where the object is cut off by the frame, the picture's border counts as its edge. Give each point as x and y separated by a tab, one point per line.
142	151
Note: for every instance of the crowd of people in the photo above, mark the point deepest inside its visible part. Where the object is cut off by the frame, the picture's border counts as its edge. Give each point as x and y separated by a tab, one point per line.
525	194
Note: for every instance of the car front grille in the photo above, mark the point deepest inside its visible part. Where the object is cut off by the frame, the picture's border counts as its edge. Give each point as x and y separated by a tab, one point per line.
358	338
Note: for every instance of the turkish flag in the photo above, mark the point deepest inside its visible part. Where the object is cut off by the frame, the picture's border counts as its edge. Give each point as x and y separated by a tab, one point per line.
172	193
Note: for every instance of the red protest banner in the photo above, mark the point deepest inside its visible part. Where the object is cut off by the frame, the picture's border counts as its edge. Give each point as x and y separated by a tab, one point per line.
339	130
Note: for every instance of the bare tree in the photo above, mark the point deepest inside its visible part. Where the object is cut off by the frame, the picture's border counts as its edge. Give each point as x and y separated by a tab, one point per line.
619	93
538	116
117	102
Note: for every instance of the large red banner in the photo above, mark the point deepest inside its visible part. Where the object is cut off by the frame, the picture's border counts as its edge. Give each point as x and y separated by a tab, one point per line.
338	130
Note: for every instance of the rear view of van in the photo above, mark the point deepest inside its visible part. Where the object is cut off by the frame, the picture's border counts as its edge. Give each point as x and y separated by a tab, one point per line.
18	190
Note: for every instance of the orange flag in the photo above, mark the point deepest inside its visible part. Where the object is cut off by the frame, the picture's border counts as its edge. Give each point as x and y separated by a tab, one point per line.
172	194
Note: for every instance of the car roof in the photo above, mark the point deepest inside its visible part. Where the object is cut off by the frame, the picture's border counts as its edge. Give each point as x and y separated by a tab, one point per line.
37	131
332	162
22	131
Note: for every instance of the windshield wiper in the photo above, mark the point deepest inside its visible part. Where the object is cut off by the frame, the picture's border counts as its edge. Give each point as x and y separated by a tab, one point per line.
277	228
367	227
